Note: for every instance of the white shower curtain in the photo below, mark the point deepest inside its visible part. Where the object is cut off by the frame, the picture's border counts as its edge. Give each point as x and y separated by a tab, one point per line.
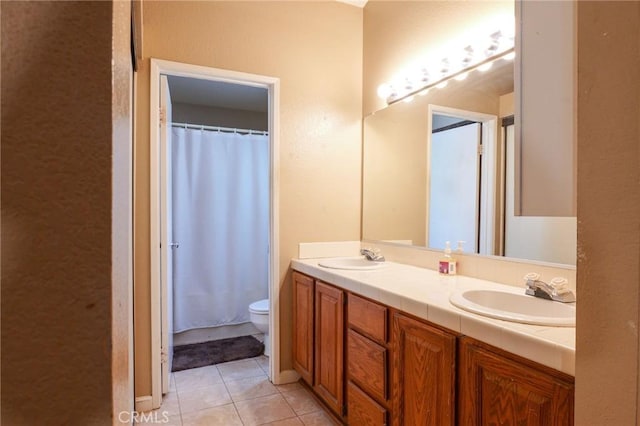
221	223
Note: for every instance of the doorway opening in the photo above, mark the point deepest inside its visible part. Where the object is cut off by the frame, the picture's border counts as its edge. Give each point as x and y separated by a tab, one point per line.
214	239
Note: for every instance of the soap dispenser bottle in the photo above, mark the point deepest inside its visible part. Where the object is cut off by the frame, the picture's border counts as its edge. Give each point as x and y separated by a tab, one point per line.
447	265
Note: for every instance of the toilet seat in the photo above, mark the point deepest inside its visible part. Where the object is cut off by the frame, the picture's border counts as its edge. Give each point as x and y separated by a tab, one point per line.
260	307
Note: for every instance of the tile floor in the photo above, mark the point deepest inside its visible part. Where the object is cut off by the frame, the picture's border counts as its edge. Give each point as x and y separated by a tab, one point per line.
237	393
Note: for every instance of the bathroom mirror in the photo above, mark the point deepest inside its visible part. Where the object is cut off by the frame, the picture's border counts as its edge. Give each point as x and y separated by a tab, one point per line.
398	151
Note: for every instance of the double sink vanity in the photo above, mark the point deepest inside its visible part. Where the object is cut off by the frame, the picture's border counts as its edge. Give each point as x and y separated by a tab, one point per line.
388	343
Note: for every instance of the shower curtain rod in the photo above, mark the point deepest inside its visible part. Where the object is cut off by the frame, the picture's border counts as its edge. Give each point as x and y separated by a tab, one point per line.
220	129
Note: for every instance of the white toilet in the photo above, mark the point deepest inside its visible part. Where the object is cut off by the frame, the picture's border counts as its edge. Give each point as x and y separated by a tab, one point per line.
259	315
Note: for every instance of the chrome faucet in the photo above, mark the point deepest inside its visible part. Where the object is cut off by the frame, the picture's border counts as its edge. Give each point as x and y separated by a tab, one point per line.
372	254
555	290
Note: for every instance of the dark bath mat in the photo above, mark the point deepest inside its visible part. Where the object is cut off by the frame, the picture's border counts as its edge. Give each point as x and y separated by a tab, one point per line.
215	352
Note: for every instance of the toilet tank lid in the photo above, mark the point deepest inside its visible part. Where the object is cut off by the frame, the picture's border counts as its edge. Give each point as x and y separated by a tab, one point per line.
261	306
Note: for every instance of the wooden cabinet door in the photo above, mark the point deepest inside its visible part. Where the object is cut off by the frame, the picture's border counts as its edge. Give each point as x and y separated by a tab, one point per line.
329	346
303	292
424	364
498	390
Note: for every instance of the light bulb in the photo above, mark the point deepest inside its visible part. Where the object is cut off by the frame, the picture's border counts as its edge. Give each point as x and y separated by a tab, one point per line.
424	92
462	76
445	67
384	90
493	43
442	84
468	56
408	99
509	56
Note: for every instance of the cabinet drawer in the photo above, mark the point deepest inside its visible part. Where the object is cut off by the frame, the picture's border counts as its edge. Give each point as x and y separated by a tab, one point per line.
362	410
367	364
368	317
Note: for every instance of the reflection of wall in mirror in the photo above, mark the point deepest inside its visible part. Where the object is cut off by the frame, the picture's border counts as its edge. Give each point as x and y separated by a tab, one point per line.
394	161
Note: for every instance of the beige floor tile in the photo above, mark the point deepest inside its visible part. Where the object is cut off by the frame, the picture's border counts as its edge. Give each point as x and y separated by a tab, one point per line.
172	382
157	417
249	388
240	370
264	410
197	377
294	421
224	415
289	387
173	421
263	362
301	401
203	397
319	418
170	404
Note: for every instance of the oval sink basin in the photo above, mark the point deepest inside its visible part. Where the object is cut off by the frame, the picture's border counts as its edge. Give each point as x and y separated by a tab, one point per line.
354	263
516	307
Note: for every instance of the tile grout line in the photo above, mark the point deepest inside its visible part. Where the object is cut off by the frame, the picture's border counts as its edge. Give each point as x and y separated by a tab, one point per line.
238	413
233	402
225	380
175	386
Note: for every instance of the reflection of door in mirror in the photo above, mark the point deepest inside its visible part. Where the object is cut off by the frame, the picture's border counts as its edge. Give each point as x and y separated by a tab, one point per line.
461	179
454	187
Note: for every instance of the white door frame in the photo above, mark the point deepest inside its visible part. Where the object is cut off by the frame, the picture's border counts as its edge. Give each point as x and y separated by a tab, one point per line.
272	84
166	237
488	187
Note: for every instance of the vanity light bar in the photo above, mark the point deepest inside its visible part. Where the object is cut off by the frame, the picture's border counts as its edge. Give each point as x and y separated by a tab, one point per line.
498	47
459	75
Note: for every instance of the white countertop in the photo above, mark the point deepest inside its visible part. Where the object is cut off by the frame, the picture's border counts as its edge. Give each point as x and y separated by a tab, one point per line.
425	294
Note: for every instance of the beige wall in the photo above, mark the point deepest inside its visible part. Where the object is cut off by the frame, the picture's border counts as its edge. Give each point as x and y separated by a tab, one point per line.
65	137
394	175
315	48
608	213
397	33
506	105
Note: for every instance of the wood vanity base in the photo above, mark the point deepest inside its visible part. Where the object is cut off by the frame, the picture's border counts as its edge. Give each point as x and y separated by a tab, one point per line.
373	365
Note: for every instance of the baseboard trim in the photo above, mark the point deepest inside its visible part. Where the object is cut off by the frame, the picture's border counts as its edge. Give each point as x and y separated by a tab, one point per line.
144	404
288	376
